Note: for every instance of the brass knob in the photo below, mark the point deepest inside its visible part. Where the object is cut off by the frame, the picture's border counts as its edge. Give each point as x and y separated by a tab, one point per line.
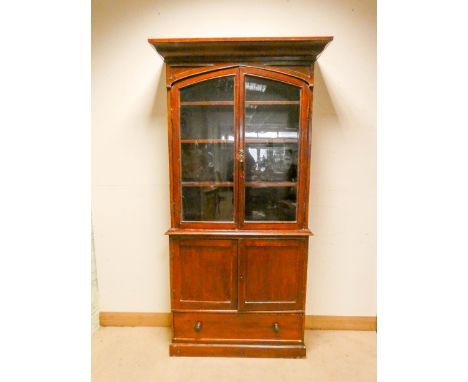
276	327
198	326
241	156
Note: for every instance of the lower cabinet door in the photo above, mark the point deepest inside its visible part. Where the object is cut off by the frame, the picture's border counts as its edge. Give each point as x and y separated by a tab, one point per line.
204	274
272	274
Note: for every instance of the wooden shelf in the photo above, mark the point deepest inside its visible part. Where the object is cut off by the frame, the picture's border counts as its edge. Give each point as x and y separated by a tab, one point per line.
271	102
271	140
231	184
207	103
207	184
270	184
206	141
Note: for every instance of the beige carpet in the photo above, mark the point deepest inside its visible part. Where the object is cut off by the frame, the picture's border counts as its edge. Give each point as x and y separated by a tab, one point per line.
141	355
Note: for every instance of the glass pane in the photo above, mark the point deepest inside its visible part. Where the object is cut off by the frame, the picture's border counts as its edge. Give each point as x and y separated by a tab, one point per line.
207	204
272	121
207	122
270	203
207	162
218	89
261	89
271	162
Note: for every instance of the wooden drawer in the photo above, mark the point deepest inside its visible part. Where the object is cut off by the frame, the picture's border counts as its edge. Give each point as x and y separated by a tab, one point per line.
238	327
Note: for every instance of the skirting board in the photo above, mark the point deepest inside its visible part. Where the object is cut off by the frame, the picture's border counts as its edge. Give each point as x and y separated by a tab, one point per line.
311	322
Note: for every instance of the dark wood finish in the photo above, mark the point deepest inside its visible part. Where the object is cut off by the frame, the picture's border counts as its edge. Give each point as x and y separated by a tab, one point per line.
176	73
204	274
301	170
271	274
239	233
273	50
236	350
258	328
176	149
238	288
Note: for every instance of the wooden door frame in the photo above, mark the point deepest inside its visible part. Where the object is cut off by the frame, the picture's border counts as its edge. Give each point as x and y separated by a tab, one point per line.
303	149
176	159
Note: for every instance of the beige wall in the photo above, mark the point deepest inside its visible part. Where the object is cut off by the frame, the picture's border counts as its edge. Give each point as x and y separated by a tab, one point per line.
130	157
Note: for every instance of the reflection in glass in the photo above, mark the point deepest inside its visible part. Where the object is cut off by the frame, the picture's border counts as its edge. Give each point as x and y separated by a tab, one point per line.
207	203
270	203
218	89
207	162
207	122
261	89
272	121
271	162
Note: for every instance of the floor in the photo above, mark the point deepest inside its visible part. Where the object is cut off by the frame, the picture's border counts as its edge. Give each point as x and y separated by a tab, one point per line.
141	355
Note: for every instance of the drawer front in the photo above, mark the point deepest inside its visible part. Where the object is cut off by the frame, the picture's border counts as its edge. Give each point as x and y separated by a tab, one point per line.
238	327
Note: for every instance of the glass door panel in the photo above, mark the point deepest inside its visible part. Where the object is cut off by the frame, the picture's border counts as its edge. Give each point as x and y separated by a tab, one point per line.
262	89
271	147
271	203
217	89
207	162
271	121
212	203
207	122
207	150
271	162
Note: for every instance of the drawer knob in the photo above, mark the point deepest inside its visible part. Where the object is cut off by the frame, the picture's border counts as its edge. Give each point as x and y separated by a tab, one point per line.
198	326
276	327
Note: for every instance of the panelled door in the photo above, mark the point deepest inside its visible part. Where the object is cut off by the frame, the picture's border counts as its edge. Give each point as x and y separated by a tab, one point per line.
204	273
272	274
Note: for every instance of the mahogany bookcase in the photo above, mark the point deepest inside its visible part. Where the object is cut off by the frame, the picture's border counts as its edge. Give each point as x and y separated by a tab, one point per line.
239	159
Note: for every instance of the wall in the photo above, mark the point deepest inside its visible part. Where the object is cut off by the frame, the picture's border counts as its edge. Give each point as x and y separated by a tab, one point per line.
130	158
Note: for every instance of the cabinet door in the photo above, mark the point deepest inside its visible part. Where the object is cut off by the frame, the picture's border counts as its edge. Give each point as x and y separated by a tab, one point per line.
272	274
204	274
205	141
274	149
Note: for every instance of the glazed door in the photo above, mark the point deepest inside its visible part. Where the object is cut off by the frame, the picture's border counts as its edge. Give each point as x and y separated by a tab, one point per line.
240	150
205	136
272	274
204	274
273	135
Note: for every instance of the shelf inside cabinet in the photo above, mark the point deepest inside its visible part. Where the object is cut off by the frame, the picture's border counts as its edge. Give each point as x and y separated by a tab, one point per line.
207	184
270	184
206	141
207	103
271	102
270	140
